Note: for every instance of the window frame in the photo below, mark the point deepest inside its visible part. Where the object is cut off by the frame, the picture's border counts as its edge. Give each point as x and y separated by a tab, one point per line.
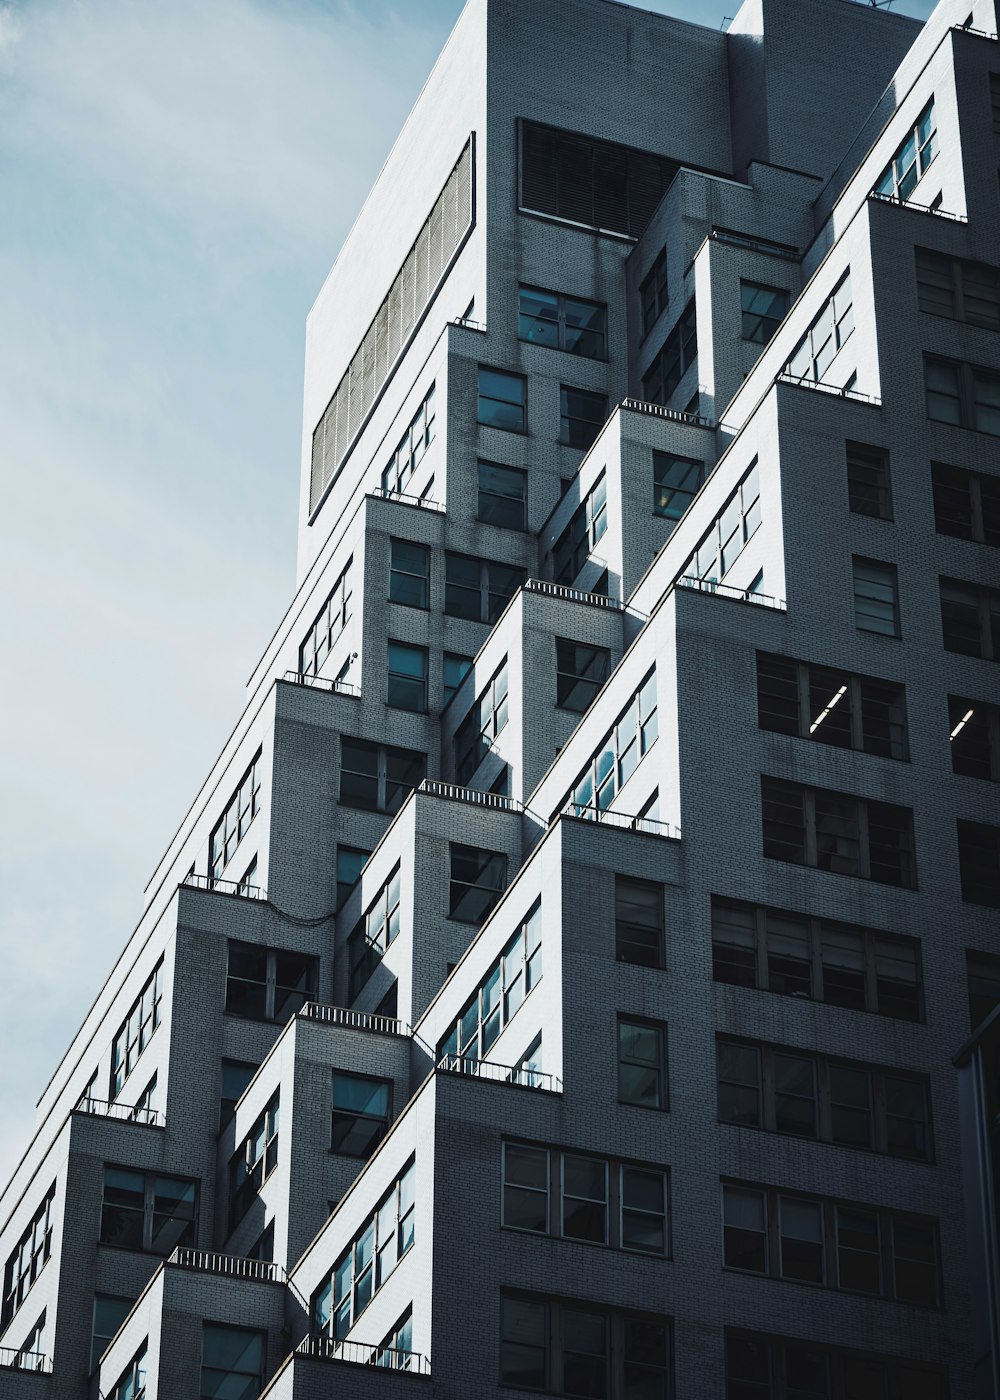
657	892
662	1074
492	601
151	1177
28	1258
983	515
328	625
966	381
137	1033
516	973
236	819
399	683
577	431
397	571
889	579
769	321
258	1150
260	1334
664	493
310	968
893	183
576	677
383	753
869	481
483	398
856	694
987	605
496	861
412	447
517	476
561	321
863	810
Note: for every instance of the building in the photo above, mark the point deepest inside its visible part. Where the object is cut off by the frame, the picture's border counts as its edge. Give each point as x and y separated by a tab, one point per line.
622	777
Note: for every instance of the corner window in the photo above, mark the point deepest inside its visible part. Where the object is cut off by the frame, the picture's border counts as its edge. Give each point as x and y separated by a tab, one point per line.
478	879
410	451
253	1162
409	573
587	525
485	721
503	496
582	415
136	1032
332	618
642	1063
677	354
676	481
28	1258
235	820
826	336
876	596
361	1109
407	682
563	323
581	670
763	309
503	400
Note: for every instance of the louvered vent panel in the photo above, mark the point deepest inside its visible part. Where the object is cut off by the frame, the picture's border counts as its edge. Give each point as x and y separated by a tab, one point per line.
408	298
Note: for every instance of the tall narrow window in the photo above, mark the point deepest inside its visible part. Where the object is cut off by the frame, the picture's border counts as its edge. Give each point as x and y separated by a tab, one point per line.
979	863
232	826
361	1110
409	573
677	354
332	618
676	481
407	683
478	879
136	1032
410	451
868	480
503	400
253	1162
455	670
28	1258
912	159
653	292
642	1064
876	596
587	525
582	415
581	670
350	863
503	496
763	309
639	922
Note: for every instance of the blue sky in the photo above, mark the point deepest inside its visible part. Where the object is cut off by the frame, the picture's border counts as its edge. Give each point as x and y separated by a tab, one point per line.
175	180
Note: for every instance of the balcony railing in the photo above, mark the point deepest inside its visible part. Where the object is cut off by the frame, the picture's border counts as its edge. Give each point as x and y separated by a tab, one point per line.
785	378
518	1075
216	885
755	245
468	323
649	825
726	590
425	502
433	788
354	1020
323	1348
675	415
573	595
918	208
122	1113
322	683
202	1261
13	1360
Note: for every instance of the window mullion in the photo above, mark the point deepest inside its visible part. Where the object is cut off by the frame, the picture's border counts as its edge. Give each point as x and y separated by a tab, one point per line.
767	1109
809	817
760	947
864	851
824	1112
976	502
803	687
271	979
815	961
879	1113
871	983
148	1194
857	719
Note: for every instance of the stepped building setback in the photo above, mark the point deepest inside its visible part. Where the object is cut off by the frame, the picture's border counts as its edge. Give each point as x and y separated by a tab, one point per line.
578	974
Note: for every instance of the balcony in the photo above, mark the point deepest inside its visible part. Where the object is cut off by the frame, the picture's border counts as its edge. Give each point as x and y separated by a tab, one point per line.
323	1348
620	820
518	1075
785	378
12	1360
573	595
353	1020
322	683
725	590
121	1113
216	885
919	208
453	793
380	493
202	1261
673	415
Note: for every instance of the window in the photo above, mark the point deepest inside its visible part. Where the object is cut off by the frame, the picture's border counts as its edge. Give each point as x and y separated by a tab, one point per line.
236	1075
730	533
621	1204
582	1349
619	754
409	573
857	1249
146	1211
412	290
136	1031
982	976
967	396
970	619
974	738
456	668
487	718
478	879
642	1063
961	290
232	1362
912	158
581	670
995	101
814	1096
376	777
109	1314
253	1162
587	525
28	1259
350	863
478	589
374	932
411	448
653	292
676	481
763	310
795	955
638	922
268	984
673	360
837	832
966	504
489	1010
876	596
368	1261
232	825
827	335
563	322
131	1385
593	183
361	1110
979	863
776	1368
582	415
831	707
503	496
329	623
868	480
407	687
503	400
396	1349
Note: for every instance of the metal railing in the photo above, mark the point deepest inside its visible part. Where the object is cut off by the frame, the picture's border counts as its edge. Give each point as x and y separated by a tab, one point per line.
468	323
13	1360
122	1113
755	245
381	493
434	788
322	683
918	208
203	1261
675	415
573	595
785	378
726	590
649	825
354	1020
518	1075
215	884
323	1348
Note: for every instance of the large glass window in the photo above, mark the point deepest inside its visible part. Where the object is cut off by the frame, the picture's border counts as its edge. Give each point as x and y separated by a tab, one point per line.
967	396
563	322
374	932
409	573
676	481
235	820
763	309
826	336
672	361
501	994
582	415
730	533
268	984
147	1211
407	677
619	753
488	717
958	289
232	1362
328	625
503	496
253	1162
831	707
478	589
410	450
478	879
136	1031
581	671
28	1258
642	1063
777	1368
913	157
503	400
838	832
587	525
361	1110
966	504
376	777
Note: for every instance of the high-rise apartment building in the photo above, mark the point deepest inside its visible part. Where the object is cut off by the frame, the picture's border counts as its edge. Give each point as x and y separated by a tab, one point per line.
564	980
